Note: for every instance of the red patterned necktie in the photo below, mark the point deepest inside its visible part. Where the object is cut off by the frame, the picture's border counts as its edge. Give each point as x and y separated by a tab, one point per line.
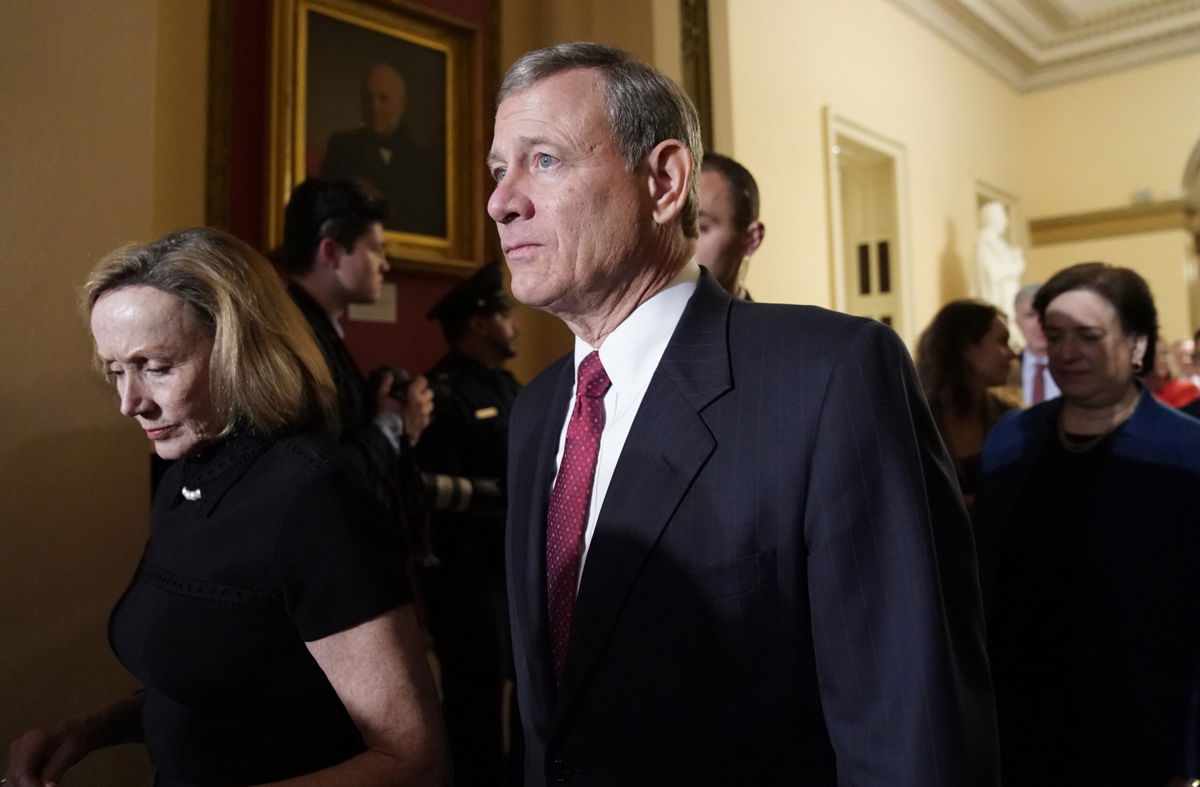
567	514
1039	382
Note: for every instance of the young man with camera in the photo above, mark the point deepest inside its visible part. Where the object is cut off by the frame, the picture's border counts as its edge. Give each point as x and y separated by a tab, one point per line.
334	254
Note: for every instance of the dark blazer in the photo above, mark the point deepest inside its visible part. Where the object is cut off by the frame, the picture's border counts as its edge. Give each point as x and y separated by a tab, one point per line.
1135	666
781	588
369	449
393	477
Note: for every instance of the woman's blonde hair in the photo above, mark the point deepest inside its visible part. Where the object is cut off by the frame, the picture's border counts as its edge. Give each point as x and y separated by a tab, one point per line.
266	371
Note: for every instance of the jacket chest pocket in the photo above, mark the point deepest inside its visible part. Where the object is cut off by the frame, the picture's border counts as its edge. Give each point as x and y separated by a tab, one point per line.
668	584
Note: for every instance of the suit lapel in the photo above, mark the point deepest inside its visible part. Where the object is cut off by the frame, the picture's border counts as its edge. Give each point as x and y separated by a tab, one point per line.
667	446
534	459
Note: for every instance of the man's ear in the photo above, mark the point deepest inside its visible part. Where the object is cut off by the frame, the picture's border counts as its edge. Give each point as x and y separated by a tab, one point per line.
754	237
329	253
671	168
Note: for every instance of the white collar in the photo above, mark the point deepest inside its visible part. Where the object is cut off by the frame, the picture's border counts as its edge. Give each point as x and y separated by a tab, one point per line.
631	353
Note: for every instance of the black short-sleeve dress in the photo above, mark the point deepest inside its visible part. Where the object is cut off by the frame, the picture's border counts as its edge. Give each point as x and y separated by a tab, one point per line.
255	548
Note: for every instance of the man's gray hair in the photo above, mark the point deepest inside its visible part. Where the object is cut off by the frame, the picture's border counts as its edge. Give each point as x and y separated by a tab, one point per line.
1026	293
644	107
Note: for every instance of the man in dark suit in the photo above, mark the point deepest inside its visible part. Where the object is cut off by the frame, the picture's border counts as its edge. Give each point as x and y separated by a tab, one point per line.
1031	373
383	157
466	450
737	554
729	227
334	256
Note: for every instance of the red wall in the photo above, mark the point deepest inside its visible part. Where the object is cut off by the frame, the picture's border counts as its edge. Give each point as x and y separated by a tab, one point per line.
412	341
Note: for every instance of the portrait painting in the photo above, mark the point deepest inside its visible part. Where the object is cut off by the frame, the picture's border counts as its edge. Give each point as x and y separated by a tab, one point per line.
379	95
377	115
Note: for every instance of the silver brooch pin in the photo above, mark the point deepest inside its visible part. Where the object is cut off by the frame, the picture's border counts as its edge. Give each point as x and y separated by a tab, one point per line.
191	494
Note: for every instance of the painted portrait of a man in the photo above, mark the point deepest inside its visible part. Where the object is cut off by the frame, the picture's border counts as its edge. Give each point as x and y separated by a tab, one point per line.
376	116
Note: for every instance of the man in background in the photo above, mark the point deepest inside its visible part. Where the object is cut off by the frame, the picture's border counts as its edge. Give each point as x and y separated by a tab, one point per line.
1183	358
464	453
385	160
729	227
1035	381
334	256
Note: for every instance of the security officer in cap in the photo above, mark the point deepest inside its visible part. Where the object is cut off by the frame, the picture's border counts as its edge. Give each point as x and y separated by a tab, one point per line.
463	453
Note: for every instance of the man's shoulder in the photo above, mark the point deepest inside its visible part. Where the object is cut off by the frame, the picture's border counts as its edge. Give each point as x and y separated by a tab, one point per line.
770	314
318	321
304	301
454	365
805	329
458	370
453	380
445	370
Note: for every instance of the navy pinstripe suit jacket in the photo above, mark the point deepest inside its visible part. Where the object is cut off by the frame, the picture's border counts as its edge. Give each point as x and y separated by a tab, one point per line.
781	588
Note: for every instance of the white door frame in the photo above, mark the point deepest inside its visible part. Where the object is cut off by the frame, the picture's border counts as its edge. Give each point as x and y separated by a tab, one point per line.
837	125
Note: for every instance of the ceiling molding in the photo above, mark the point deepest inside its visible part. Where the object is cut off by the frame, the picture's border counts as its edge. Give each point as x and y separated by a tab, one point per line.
1034	44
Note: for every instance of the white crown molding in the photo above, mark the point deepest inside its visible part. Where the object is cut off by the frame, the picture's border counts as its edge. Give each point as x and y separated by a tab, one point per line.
971	36
1034	44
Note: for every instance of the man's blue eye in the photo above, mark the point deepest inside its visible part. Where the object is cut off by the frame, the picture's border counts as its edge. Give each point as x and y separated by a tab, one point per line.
544	161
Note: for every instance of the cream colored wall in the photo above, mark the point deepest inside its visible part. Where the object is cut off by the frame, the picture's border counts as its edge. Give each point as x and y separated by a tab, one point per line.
1088	145
531	24
877	66
1075	148
667	35
107	146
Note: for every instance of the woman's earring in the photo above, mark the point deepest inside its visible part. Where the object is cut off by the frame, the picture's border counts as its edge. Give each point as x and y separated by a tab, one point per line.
1138	368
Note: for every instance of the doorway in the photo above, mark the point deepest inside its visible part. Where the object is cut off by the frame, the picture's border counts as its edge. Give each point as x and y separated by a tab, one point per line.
868	224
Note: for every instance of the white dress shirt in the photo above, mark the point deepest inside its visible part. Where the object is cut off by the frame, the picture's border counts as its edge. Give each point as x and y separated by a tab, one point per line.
1029	363
630	356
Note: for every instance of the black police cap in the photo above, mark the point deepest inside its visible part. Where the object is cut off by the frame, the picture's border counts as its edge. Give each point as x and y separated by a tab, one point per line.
480	293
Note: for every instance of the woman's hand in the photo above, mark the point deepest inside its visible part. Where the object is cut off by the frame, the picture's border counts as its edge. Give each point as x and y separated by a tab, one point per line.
41	756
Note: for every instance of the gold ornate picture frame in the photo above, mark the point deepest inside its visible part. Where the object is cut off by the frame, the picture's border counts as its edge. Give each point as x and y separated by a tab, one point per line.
386	95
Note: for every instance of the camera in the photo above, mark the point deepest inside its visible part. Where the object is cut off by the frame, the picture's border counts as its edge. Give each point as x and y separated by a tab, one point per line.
400	380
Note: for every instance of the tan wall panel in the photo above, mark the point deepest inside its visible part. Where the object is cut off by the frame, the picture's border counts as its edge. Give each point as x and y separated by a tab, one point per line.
1088	145
180	115
81	167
